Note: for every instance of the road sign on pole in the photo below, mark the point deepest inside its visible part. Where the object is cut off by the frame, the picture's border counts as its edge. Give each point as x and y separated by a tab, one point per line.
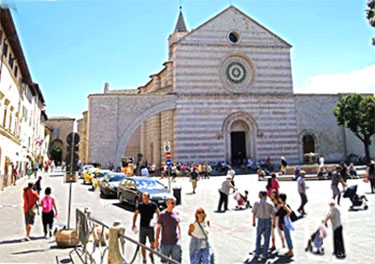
168	155
168	162
167	146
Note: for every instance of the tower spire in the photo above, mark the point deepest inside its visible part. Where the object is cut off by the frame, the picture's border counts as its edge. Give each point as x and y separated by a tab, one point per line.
181	25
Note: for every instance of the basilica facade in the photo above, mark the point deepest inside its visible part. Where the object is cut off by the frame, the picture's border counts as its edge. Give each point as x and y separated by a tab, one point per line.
224	94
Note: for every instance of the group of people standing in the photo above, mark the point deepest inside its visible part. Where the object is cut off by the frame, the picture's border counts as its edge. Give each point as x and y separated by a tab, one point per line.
169	231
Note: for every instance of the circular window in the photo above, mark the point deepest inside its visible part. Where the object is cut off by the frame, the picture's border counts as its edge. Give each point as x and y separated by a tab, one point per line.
234	37
237	73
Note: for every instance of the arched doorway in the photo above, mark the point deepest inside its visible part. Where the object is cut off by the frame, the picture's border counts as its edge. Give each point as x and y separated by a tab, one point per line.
239	131
238	134
56	151
308	144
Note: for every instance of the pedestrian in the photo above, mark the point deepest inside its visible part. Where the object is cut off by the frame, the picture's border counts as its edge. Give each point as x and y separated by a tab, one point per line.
30	199
35	168
344	171
199	248
168	225
144	171
146	209
37	185
338	241
302	192
14	173
283	165
265	212
49	211
194	178
370	172
283	212
275	200
224	192
273	185
336	178
231	173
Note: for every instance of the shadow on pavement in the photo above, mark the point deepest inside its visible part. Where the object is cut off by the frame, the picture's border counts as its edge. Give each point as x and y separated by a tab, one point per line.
56	175
125	206
28	251
12	241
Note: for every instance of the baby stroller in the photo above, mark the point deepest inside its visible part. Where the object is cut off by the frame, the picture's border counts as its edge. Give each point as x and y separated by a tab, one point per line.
316	240
242	200
357	201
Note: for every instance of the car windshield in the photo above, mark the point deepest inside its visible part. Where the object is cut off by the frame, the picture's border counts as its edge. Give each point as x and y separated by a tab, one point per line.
150	184
116	178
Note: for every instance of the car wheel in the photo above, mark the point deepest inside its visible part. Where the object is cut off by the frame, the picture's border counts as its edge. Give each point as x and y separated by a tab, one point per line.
136	203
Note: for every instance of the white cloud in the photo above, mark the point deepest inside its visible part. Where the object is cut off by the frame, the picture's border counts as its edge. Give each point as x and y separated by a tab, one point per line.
358	81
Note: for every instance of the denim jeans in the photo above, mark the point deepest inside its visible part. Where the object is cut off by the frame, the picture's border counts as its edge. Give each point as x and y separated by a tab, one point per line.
264	225
201	256
288	238
172	251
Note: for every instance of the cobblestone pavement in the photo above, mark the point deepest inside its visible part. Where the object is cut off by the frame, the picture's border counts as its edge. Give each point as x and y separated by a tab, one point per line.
231	234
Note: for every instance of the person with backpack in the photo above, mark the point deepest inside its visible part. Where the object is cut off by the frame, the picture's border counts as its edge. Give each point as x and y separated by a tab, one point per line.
49	210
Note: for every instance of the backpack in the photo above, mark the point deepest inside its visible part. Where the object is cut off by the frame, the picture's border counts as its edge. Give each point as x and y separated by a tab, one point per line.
47	204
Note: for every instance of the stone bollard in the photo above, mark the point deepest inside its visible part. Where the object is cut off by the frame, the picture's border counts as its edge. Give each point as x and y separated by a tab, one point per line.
114	244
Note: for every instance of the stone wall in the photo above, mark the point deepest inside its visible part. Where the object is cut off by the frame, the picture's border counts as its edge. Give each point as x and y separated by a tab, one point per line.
315	116
62	127
82	132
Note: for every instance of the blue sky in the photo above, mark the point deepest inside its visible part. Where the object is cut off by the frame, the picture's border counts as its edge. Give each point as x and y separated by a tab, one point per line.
74	46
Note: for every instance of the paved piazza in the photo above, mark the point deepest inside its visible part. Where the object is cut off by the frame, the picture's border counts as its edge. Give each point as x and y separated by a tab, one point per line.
232	235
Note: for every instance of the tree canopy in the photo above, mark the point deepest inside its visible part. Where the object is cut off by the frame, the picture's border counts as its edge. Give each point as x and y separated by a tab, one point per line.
357	113
370	14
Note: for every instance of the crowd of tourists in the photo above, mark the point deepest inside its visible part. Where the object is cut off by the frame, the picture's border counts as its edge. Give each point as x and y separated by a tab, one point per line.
272	216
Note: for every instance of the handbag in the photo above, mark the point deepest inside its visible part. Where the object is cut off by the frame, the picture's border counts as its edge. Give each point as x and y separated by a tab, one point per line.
293	216
212	256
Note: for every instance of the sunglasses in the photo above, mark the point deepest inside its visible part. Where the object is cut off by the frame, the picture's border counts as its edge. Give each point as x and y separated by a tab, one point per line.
202	213
172	203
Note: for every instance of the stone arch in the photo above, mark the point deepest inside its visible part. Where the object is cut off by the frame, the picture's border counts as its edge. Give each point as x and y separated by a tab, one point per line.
251	129
313	134
133	124
56	143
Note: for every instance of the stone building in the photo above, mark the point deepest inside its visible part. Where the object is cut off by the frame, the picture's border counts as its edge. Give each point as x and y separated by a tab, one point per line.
61	128
82	132
23	137
225	94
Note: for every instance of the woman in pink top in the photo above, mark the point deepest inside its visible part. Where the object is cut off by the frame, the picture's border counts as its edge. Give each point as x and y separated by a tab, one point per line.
48	204
273	185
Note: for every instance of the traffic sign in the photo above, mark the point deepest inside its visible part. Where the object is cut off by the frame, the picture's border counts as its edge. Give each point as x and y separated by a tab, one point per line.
69	138
168	162
168	155
167	146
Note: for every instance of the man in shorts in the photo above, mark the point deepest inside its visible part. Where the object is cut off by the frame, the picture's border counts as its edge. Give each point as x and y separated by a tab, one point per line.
30	199
168	225
147	209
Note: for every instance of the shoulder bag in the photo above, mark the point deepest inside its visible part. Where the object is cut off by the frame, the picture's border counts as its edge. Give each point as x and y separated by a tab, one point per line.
212	256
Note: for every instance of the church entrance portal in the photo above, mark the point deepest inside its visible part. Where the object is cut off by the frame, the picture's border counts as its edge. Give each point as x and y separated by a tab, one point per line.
238	147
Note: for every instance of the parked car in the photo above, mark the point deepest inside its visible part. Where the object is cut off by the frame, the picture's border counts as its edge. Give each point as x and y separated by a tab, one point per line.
109	184
88	175
130	190
83	170
98	176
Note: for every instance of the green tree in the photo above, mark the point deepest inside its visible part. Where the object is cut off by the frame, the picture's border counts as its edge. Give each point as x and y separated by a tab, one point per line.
370	14
357	113
56	154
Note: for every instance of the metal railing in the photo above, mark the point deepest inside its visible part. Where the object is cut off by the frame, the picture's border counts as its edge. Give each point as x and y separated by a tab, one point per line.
99	242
